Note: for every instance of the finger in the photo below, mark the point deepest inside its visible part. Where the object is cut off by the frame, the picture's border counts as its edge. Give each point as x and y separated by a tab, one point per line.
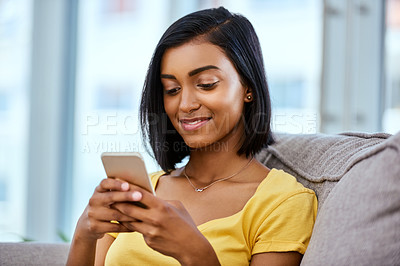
108	227
143	228
107	198
144	196
109	214
108	184
131	210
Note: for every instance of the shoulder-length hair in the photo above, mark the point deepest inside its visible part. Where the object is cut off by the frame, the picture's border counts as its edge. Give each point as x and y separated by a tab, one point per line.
235	35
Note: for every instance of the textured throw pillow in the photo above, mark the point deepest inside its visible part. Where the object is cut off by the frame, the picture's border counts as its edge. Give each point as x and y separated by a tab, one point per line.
359	223
319	161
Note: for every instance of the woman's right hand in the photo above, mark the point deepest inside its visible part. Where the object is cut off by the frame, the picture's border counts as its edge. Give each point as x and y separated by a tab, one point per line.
96	219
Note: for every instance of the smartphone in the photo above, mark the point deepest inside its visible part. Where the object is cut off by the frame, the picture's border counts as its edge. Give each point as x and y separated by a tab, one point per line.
127	166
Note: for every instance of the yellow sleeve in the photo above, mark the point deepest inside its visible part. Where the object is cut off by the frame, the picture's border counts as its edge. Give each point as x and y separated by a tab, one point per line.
113	234
289	226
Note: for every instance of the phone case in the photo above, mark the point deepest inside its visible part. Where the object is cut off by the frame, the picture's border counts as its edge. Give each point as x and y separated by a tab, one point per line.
127	166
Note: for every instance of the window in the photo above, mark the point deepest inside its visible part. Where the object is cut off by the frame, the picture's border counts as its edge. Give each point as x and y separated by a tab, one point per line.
15	47
115	44
391	115
116	40
326	62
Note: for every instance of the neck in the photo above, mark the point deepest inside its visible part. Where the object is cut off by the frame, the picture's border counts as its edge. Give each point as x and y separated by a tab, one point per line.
208	165
217	160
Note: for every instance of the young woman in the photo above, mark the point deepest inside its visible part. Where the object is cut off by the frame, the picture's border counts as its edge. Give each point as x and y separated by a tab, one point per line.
205	97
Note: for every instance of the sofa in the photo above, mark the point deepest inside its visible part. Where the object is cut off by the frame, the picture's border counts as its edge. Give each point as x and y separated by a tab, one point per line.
356	178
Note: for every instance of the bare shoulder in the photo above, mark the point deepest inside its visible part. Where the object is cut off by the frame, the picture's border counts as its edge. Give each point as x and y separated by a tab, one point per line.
169	185
167	177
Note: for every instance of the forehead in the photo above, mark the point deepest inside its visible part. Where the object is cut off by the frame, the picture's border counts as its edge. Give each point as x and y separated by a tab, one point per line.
192	55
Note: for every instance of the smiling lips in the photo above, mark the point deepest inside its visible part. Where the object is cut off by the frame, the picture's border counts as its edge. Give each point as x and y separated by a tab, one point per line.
193	123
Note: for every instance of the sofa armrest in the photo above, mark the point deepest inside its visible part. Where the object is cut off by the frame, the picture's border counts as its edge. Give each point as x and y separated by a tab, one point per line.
33	253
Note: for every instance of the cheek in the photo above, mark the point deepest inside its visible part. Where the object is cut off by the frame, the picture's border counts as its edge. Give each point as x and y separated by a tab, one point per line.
234	91
169	107
231	101
228	111
232	106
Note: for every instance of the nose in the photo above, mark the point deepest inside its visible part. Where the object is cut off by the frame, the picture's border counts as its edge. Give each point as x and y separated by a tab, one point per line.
188	101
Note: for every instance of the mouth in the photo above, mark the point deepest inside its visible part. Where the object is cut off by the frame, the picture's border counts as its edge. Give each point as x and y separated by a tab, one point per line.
193	123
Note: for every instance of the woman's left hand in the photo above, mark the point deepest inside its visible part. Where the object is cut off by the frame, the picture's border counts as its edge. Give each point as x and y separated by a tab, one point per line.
168	228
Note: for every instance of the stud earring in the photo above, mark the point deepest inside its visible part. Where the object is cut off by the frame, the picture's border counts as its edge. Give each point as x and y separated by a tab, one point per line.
248	97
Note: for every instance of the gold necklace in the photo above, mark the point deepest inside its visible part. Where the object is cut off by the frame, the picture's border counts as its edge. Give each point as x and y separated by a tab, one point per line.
216	181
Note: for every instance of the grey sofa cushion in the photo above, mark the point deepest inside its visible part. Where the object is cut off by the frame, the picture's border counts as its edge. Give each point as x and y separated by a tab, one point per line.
32	253
358	222
319	161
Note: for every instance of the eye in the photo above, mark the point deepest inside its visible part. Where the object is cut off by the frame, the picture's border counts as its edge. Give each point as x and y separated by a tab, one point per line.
207	85
172	91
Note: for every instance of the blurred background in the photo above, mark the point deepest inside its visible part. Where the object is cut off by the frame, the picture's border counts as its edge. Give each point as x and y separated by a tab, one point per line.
72	71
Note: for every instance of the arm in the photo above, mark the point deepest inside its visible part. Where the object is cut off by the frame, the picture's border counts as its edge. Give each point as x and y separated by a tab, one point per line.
276	259
94	223
95	253
102	247
285	233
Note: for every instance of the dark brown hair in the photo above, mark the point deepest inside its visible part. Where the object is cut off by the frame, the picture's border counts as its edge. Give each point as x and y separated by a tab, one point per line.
237	38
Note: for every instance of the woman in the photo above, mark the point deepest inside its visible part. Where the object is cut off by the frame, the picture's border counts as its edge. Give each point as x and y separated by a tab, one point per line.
206	97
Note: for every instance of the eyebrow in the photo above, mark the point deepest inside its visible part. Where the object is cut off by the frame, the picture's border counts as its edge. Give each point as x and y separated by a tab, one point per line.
191	73
201	69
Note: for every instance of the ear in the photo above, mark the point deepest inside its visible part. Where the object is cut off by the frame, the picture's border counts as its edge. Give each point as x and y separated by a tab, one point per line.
248	97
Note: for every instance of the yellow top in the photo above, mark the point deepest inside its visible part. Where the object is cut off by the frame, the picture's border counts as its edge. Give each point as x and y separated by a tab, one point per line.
279	217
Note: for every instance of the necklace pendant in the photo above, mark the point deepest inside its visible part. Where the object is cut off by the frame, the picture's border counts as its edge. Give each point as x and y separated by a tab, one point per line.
216	181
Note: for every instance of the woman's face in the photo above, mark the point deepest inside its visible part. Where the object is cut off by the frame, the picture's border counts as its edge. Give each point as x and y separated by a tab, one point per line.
203	95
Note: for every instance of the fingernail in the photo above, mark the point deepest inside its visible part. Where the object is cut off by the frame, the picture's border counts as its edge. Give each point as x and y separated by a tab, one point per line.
124	186
136	196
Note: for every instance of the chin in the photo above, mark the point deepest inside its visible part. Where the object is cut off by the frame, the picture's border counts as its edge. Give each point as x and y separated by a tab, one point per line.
195	143
204	145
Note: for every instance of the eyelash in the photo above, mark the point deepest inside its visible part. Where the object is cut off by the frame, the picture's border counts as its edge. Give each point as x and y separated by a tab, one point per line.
206	86
172	91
